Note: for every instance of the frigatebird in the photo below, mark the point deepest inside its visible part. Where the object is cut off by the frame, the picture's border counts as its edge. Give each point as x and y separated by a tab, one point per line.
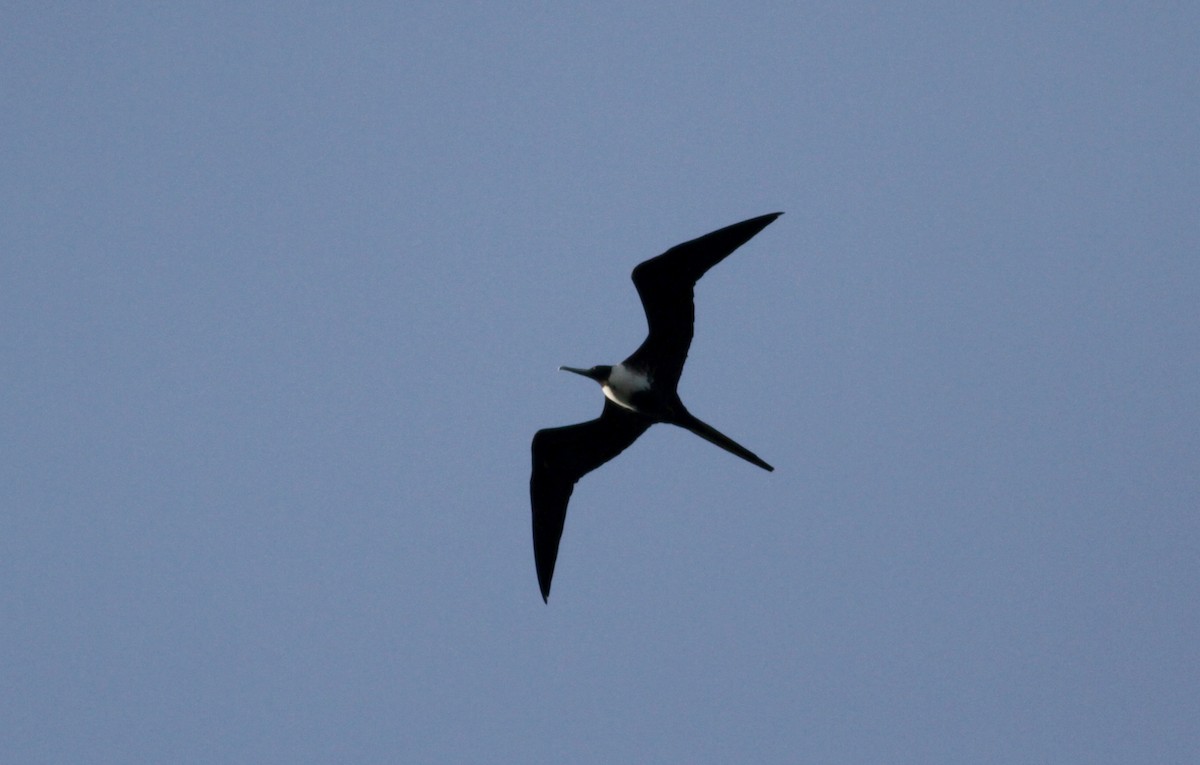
638	392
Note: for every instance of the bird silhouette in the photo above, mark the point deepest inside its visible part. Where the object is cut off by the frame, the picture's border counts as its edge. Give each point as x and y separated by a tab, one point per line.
638	392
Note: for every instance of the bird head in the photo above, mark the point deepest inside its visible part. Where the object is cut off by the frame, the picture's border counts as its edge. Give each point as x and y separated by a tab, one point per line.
599	374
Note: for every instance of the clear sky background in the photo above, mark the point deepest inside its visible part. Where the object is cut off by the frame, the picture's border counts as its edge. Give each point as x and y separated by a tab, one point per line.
284	288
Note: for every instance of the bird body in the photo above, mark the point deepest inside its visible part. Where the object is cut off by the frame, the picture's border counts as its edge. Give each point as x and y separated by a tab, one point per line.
638	392
626	386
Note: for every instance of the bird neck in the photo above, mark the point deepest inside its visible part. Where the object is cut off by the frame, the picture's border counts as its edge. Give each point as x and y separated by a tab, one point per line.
624	384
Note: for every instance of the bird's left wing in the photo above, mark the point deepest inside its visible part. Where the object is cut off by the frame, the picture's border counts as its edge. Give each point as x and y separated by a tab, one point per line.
665	284
561	456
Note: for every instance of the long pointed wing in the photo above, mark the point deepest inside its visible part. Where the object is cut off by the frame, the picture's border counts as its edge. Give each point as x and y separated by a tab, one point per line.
665	284
561	456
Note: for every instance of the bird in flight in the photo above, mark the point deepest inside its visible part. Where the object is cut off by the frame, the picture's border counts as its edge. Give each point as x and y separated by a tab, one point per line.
638	392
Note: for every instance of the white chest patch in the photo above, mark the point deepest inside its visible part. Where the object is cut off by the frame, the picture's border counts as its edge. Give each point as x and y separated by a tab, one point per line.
622	383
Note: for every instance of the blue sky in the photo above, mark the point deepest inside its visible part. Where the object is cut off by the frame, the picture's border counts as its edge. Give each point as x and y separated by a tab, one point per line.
284	288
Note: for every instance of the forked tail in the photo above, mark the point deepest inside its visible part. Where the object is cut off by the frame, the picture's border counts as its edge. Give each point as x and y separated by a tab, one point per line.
711	434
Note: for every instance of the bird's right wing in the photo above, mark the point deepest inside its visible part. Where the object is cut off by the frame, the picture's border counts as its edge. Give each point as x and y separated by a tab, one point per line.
561	456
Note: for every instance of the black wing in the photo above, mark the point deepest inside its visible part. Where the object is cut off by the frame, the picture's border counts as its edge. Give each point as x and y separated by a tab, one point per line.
665	285
561	456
